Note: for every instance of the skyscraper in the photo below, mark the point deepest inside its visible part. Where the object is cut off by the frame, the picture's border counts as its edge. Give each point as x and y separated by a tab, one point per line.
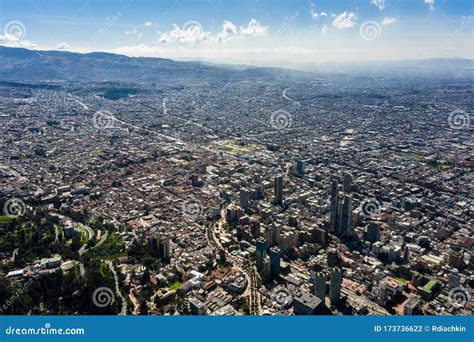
244	198
333	207
345	216
275	256
319	280
266	272
278	189
335	285
347	183
261	253
373	232
164	249
300	167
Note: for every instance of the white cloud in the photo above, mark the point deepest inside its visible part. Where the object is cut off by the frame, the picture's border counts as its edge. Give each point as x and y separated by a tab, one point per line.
191	32
430	3
389	21
254	28
63	46
228	30
344	20
325	29
379	3
323	14
12	40
148	23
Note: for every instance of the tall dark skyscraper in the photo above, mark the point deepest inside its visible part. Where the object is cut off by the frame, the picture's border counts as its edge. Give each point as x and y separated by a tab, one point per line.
333	206
300	167
373	232
347	183
335	285
278	190
244	198
319	280
261	253
344	223
275	256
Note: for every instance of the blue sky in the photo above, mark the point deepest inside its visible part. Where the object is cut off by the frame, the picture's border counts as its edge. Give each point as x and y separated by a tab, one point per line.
273	32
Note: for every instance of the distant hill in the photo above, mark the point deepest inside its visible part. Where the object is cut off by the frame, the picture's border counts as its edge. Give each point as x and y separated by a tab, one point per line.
23	65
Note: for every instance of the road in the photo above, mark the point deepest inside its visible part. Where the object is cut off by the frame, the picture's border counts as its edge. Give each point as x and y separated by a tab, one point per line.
123	312
252	290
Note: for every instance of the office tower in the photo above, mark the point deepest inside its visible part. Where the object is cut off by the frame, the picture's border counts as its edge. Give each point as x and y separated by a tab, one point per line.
244	198
319	280
300	167
335	285
261	253
373	232
333	207
456	260
347	183
276	231
259	191
275	257
345	216
266	272
164	249
278	190
321	236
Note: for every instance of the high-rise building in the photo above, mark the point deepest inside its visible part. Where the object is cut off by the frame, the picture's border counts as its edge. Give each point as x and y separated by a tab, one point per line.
261	253
456	260
319	280
266	272
335	285
275	259
333	258
164	249
373	232
245	195
300	167
347	183
278	190
345	216
333	207
276	231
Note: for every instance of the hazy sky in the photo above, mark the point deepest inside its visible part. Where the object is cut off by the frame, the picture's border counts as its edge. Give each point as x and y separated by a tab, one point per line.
273	32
